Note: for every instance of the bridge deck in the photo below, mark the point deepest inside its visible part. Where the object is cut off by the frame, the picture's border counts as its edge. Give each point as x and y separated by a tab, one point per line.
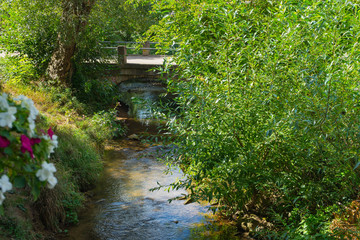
147	60
132	59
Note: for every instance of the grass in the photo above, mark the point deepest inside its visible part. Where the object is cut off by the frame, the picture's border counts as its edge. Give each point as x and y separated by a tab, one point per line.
81	139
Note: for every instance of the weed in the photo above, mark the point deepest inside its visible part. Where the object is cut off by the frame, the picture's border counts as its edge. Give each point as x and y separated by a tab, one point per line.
14	228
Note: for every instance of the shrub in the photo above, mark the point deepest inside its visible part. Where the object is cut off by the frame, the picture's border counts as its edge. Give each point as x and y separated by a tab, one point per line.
98	93
268	94
18	69
103	126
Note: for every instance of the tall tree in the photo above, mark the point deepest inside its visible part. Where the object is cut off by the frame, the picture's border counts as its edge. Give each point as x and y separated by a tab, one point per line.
53	35
75	14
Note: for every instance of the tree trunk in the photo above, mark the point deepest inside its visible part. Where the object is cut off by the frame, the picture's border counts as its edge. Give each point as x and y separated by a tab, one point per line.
73	21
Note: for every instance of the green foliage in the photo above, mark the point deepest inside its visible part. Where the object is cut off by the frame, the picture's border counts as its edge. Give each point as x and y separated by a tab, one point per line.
14	228
65	98
97	93
60	206
72	199
120	20
78	163
103	126
30	28
268	94
19	70
77	153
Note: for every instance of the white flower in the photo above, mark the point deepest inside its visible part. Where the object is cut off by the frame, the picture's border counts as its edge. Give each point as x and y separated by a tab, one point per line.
53	143
52	181
4	105
31	127
29	105
5	184
2	197
7	118
46	173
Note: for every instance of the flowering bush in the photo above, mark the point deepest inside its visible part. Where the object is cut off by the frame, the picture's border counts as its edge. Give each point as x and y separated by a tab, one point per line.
23	152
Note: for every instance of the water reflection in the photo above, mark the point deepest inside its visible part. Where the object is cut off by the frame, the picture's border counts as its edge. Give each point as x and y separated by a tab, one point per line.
142	96
126	209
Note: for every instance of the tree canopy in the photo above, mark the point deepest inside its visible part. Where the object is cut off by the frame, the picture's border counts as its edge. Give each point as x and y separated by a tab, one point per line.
56	34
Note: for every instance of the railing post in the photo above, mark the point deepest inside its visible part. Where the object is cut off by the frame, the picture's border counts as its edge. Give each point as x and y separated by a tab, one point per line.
146	52
122	56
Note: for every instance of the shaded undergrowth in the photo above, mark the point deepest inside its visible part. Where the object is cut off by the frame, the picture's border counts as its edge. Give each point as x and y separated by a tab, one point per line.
82	131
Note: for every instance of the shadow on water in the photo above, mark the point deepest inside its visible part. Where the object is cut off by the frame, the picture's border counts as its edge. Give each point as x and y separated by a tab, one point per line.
122	207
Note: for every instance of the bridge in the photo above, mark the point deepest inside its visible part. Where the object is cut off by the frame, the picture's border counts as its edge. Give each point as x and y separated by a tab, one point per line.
126	66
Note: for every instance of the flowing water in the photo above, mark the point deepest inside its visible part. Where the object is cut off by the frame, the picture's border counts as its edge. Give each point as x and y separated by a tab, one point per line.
122	206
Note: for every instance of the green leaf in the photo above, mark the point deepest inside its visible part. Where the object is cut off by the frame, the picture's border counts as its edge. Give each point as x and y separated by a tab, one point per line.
2	213
19	181
356	166
29	168
35	191
5	133
8	151
269	132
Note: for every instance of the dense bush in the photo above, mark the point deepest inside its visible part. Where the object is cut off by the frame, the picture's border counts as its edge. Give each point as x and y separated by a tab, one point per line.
103	126
19	69
268	93
98	93
30	28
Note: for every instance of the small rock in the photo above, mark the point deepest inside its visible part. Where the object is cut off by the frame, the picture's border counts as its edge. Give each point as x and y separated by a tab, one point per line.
100	201
134	137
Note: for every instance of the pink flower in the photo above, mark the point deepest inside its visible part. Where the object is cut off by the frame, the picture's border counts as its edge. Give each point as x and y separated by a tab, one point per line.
50	133
26	145
4	142
34	141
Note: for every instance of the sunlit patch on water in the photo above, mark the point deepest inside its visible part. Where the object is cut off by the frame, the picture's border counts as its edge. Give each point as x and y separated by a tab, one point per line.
210	228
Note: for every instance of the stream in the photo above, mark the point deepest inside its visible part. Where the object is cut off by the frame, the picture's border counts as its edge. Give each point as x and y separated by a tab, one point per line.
122	207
